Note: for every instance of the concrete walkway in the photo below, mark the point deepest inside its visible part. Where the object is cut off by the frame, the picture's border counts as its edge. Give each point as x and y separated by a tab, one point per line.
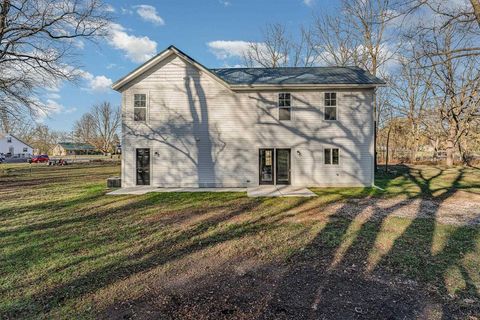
146	189
279	191
260	191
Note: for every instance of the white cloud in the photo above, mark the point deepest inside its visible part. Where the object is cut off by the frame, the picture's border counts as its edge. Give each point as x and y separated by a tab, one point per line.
109	8
97	83
126	11
225	49
137	49
54	106
309	3
225	3
149	14
231	51
51	107
53	95
100	83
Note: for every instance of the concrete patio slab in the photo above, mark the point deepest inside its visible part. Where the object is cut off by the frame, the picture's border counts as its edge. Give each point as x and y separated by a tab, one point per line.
279	191
146	189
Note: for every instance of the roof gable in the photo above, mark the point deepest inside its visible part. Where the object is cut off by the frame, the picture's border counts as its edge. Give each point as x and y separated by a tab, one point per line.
4	135
119	84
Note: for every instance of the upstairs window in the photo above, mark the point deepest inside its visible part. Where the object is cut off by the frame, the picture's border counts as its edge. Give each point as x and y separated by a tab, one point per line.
140	107
9	139
284	107
330	106
331	156
25	149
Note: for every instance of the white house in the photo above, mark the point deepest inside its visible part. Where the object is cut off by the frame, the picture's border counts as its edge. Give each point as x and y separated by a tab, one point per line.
188	126
14	147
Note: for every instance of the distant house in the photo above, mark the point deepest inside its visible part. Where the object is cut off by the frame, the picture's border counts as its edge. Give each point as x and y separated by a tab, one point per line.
14	147
71	148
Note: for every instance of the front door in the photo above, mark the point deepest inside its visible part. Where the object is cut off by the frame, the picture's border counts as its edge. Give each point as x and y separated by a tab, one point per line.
282	165
143	167
266	166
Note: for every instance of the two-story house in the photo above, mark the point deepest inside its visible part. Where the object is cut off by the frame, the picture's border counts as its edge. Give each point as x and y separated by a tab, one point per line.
185	125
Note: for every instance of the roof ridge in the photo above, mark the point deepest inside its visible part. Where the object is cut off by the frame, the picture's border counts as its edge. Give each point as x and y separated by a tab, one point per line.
263	68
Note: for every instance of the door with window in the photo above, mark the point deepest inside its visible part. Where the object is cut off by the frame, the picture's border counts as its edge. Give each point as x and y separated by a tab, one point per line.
282	165
266	166
143	167
274	166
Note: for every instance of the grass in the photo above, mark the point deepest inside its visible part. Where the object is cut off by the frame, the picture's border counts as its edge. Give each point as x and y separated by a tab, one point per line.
67	250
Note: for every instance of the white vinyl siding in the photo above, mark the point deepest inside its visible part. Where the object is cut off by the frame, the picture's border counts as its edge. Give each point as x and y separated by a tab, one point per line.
203	134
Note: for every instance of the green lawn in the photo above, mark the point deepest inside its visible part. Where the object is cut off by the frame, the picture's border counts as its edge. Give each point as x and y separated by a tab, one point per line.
69	251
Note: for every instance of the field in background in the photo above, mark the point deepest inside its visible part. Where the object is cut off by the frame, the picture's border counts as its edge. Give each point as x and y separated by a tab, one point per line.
67	250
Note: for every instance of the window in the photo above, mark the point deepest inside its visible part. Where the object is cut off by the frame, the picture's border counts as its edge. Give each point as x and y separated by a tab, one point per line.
284	106
140	107
9	139
330	106
25	149
331	156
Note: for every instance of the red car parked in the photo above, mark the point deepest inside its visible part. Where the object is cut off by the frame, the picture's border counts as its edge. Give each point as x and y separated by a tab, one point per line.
39	158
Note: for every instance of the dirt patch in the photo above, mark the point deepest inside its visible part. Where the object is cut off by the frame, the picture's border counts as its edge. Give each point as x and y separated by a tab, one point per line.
297	290
461	209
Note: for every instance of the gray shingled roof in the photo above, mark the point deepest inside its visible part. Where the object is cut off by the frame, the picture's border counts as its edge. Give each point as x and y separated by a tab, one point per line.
296	75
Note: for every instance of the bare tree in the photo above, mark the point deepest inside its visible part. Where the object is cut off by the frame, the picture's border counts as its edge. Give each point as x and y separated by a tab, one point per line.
84	130
37	48
99	127
278	48
455	85
42	138
411	93
463	16
334	41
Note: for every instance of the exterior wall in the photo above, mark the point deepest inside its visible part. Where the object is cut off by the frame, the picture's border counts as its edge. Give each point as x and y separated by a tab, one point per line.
202	134
58	150
17	145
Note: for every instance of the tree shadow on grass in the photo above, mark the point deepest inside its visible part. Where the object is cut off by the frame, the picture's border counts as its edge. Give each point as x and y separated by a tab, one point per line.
204	234
364	263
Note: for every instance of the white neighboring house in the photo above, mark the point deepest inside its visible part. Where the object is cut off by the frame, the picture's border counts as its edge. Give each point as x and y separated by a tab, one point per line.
184	125
14	147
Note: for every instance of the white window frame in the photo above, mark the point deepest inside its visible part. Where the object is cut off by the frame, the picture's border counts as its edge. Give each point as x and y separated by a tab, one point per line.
284	107
331	157
330	106
146	107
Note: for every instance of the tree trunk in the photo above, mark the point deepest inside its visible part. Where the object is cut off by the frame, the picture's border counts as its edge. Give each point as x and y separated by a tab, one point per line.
451	145
386	156
450	150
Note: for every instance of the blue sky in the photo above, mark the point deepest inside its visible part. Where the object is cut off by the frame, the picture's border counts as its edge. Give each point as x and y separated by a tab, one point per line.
211	31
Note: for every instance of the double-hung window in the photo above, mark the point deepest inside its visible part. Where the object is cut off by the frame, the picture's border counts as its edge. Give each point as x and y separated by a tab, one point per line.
330	106
331	156
140	107
284	106
9	139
